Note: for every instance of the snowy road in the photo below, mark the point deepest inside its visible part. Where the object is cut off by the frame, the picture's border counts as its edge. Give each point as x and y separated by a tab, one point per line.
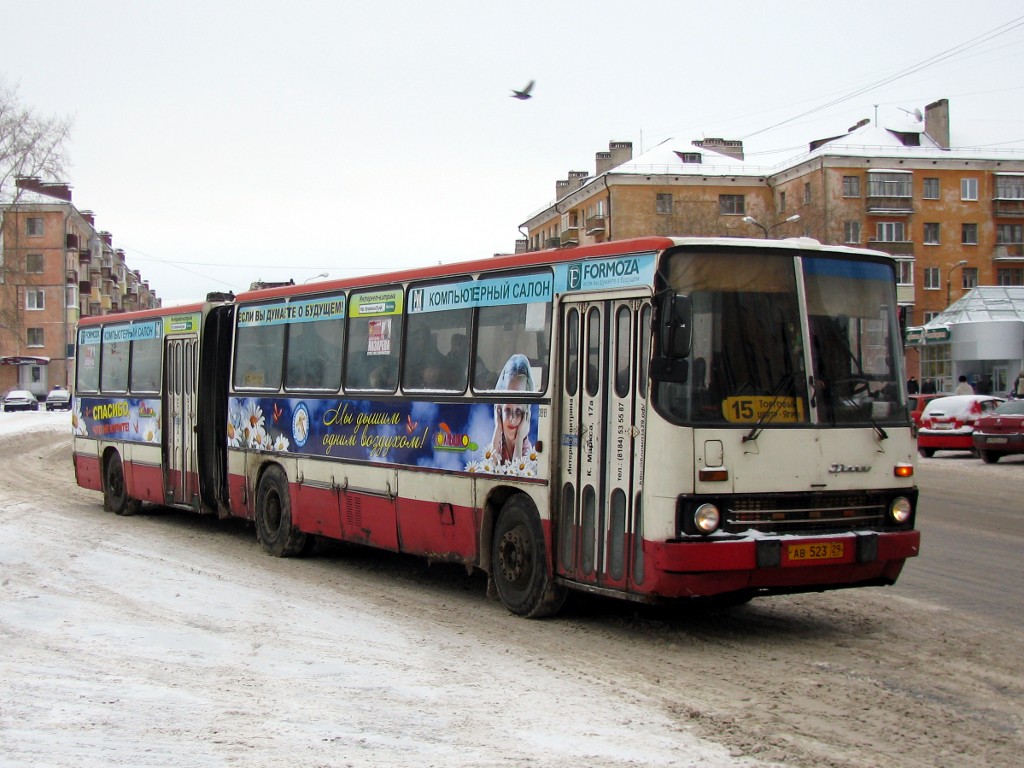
168	639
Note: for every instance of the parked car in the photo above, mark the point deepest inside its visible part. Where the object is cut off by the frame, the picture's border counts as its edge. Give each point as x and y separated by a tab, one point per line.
947	423
917	404
20	400
59	399
1001	432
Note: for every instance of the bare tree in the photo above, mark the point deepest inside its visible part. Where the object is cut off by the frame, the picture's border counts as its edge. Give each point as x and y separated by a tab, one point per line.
30	145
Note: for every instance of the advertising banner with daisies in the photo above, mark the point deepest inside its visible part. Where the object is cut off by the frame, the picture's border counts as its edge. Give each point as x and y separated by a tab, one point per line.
465	437
131	419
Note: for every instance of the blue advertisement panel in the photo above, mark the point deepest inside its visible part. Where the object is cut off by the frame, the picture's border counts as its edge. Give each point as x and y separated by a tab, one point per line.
632	271
486	438
132	419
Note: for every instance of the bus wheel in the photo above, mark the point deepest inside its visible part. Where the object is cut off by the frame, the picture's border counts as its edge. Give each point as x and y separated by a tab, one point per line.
274	516
926	452
115	490
520	564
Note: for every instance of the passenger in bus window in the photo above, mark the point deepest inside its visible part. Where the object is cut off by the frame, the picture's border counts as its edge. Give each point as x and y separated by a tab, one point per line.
512	420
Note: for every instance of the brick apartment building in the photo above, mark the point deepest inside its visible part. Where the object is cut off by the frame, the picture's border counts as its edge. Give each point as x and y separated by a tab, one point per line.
55	268
952	217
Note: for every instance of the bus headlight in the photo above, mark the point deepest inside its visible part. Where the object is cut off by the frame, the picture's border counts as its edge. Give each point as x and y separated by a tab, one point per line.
707	517
900	509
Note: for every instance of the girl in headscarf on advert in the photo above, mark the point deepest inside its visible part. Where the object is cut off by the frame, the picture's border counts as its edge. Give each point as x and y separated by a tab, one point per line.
512	421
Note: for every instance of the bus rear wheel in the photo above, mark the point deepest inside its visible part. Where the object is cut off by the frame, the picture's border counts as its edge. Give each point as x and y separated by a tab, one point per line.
115	489
274	528
519	562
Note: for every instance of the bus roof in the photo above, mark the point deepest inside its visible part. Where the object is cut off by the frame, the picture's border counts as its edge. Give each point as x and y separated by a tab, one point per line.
142	314
552	256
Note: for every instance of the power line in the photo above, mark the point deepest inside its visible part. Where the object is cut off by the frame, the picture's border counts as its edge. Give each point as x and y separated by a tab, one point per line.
930	61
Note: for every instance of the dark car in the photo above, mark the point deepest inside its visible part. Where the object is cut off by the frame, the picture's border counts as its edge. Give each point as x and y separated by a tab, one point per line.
917	404
948	422
59	399
20	400
1001	432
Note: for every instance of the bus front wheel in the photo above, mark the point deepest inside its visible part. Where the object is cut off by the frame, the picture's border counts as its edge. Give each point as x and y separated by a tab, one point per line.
274	516
115	489
519	562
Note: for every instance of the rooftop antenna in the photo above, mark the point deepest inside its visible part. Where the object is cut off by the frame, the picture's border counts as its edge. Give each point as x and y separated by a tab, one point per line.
876	114
916	114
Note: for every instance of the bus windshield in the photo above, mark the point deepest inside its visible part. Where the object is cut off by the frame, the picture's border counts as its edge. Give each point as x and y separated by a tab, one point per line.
749	361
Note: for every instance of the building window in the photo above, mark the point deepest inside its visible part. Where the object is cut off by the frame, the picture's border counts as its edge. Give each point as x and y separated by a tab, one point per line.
1009	234
851	232
807	193
969	234
35	298
71	296
931	234
929	316
35	337
34	227
891	232
34	263
1010	276
970	277
931	189
905	272
1010	187
890	184
968	189
782	202
851	186
932	278
690	157
663	203
731	204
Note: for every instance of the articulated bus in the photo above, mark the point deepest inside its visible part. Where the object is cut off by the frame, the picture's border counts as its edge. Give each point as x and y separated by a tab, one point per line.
654	419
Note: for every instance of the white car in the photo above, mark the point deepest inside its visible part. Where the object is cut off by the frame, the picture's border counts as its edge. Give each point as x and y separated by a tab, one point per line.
59	399
20	400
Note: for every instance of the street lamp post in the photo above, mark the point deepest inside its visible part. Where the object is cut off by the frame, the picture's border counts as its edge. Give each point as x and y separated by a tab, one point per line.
767	230
949	278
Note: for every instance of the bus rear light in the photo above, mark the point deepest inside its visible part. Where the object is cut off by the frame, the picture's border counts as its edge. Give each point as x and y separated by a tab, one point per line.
707	518
903	470
900	509
717	475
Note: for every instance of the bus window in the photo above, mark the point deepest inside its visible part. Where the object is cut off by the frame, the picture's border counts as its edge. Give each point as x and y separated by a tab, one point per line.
258	346
146	364
504	331
593	367
114	362
87	363
374	341
622	349
572	355
437	352
313	359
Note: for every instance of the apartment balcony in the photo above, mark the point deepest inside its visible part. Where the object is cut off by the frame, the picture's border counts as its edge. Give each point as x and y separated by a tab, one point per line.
1008	251
84	256
71	241
1008	208
570	236
889	206
553	242
84	286
595	225
893	247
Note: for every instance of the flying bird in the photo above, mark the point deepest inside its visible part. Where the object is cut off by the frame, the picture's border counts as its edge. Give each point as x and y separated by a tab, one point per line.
524	94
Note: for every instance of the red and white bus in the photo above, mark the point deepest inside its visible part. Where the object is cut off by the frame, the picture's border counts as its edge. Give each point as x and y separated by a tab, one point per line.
653	419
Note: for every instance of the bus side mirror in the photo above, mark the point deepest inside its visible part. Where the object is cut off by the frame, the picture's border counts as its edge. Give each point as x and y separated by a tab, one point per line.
674	336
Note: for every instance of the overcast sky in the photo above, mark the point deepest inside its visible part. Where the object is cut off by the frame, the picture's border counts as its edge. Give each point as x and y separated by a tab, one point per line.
225	142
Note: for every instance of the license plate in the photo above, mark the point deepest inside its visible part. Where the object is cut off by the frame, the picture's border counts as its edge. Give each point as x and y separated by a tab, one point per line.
995	440
940	425
827	550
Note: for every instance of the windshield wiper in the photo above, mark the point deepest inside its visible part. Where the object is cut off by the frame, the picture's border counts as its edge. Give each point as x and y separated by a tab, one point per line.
776	395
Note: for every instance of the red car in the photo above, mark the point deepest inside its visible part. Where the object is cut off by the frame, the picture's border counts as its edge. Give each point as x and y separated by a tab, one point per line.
917	404
947	423
1001	432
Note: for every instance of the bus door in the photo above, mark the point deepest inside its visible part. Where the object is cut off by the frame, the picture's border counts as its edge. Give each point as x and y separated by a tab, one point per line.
602	421
180	361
